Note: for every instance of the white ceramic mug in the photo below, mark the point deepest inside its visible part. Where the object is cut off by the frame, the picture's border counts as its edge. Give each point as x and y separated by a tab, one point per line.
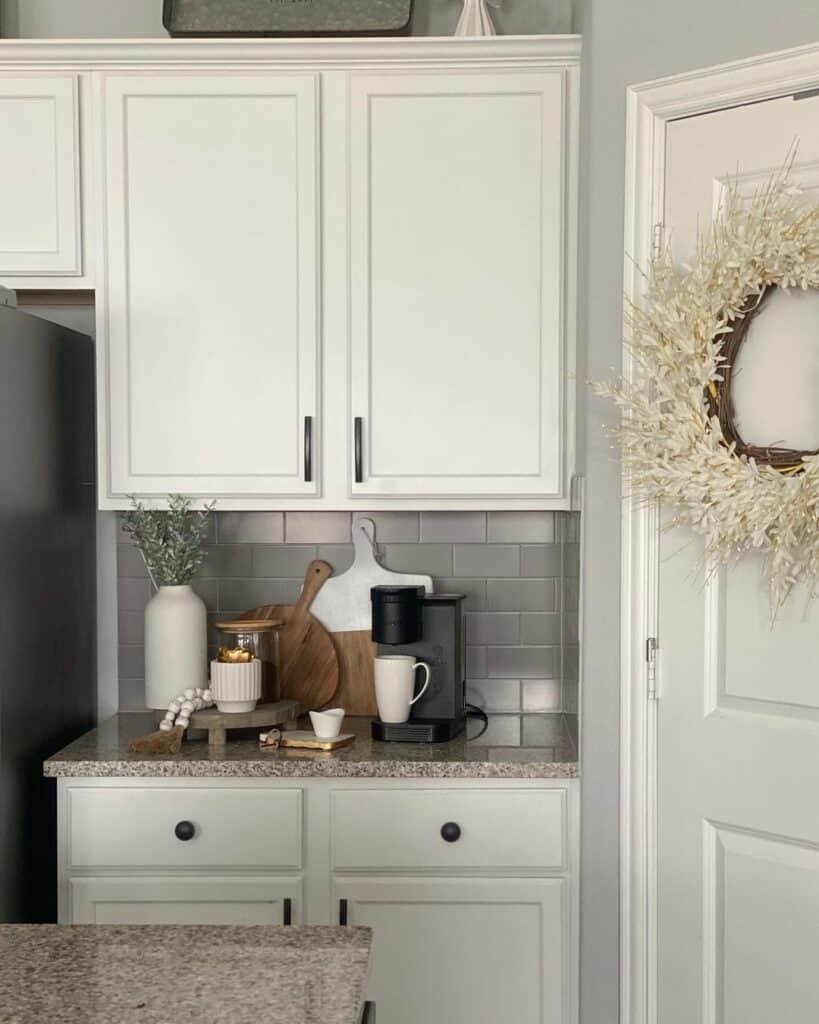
395	684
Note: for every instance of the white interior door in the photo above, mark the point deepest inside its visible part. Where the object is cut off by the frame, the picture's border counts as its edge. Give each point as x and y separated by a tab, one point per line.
459	213
738	710
208	337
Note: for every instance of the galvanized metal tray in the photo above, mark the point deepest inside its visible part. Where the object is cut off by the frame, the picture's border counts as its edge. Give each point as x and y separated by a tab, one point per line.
287	17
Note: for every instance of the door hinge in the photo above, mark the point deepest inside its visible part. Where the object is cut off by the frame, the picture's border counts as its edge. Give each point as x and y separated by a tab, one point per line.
651	668
657	241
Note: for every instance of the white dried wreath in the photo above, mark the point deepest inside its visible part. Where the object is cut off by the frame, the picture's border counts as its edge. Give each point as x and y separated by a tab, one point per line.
673	447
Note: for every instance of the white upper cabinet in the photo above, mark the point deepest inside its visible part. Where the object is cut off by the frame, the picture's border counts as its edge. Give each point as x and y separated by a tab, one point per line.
39	177
329	273
209	329
459	212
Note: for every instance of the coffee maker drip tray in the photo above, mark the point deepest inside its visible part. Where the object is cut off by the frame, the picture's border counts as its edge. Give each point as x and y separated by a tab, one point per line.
418	730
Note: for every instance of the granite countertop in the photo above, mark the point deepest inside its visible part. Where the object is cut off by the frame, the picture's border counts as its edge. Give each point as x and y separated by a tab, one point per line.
512	746
147	974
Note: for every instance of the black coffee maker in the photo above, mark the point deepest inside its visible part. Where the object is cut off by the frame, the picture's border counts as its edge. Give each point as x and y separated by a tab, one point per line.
429	627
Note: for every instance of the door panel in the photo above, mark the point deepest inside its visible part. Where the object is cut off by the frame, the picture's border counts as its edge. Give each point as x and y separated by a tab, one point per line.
738	710
463	951
212	336
760	943
180	900
39	176
458	216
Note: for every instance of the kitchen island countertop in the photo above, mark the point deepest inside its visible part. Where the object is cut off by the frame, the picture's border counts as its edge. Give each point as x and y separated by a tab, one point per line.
147	974
512	746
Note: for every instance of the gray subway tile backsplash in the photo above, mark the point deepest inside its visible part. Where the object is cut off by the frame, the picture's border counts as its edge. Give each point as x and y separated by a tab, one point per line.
513	567
431	559
396	527
522	595
540	628
279	561
521	662
494	695
541	560
464	527
541	695
485	560
492	628
521	527
317	527
226	560
250	527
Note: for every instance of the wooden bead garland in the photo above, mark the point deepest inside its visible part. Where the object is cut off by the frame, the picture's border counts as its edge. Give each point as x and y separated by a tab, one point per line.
182	707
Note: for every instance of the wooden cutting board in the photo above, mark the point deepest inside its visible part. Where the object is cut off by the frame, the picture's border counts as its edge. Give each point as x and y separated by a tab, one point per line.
307	664
344	608
356	686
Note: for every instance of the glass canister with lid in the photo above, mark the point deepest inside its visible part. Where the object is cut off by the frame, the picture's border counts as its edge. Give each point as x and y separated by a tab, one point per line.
245	647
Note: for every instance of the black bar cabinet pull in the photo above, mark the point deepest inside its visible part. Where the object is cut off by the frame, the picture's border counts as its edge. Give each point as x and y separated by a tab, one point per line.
357	443
287	911
342	912
308	449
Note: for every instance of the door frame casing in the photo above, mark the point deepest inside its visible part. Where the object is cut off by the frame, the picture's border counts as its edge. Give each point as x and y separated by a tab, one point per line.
650	108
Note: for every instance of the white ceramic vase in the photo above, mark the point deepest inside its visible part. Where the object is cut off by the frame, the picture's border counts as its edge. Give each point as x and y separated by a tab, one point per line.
176	645
475	20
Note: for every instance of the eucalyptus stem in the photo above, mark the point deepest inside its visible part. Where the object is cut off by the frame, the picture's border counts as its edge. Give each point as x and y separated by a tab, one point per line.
170	542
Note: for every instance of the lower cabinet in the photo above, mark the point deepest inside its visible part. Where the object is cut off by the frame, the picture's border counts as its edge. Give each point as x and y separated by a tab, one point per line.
462	951
200	900
469	886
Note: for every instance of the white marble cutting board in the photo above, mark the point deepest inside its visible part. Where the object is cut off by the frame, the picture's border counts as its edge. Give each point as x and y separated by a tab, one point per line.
343	603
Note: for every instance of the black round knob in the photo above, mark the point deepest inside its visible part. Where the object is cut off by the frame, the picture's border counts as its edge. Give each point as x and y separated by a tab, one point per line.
185	830
451	832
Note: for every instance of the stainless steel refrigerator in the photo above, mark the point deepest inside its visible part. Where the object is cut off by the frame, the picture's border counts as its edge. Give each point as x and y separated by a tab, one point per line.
47	589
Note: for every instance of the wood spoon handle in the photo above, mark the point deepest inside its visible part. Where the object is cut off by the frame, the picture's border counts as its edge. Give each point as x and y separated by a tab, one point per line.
317	573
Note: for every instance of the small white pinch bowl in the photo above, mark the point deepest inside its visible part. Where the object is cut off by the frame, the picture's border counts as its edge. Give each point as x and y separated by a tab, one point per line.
327	724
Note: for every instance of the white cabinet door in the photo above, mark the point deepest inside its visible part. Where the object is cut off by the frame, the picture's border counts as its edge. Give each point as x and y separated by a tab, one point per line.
39	176
208	371
459	212
463	951
184	900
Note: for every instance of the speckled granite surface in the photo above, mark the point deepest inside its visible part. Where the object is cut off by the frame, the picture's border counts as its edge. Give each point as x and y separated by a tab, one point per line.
513	746
84	974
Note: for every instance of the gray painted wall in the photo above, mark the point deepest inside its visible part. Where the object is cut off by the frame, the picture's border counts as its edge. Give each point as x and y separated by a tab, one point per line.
626	42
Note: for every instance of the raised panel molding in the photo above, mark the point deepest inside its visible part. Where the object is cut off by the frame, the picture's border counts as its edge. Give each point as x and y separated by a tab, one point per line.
760	907
467	397
729	683
40	176
208	394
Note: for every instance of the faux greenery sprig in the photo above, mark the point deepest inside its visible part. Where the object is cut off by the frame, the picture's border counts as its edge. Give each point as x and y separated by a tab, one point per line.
171	543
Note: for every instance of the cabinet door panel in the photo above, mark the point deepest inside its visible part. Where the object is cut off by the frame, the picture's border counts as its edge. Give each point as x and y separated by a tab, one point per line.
212	259
463	951
458	268
141	900
39	176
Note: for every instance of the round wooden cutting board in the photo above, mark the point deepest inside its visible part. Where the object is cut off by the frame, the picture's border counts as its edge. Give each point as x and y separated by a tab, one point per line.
307	664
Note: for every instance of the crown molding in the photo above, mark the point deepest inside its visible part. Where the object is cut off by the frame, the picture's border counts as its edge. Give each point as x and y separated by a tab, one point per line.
451	51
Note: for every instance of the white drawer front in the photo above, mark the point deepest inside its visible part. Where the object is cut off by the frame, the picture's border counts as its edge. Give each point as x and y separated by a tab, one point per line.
499	829
132	827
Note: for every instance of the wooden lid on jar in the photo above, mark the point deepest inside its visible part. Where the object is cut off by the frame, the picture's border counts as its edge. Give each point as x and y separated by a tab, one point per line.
249	625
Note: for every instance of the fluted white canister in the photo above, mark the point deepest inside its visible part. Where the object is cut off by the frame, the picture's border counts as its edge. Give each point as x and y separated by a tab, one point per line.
236	686
176	645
